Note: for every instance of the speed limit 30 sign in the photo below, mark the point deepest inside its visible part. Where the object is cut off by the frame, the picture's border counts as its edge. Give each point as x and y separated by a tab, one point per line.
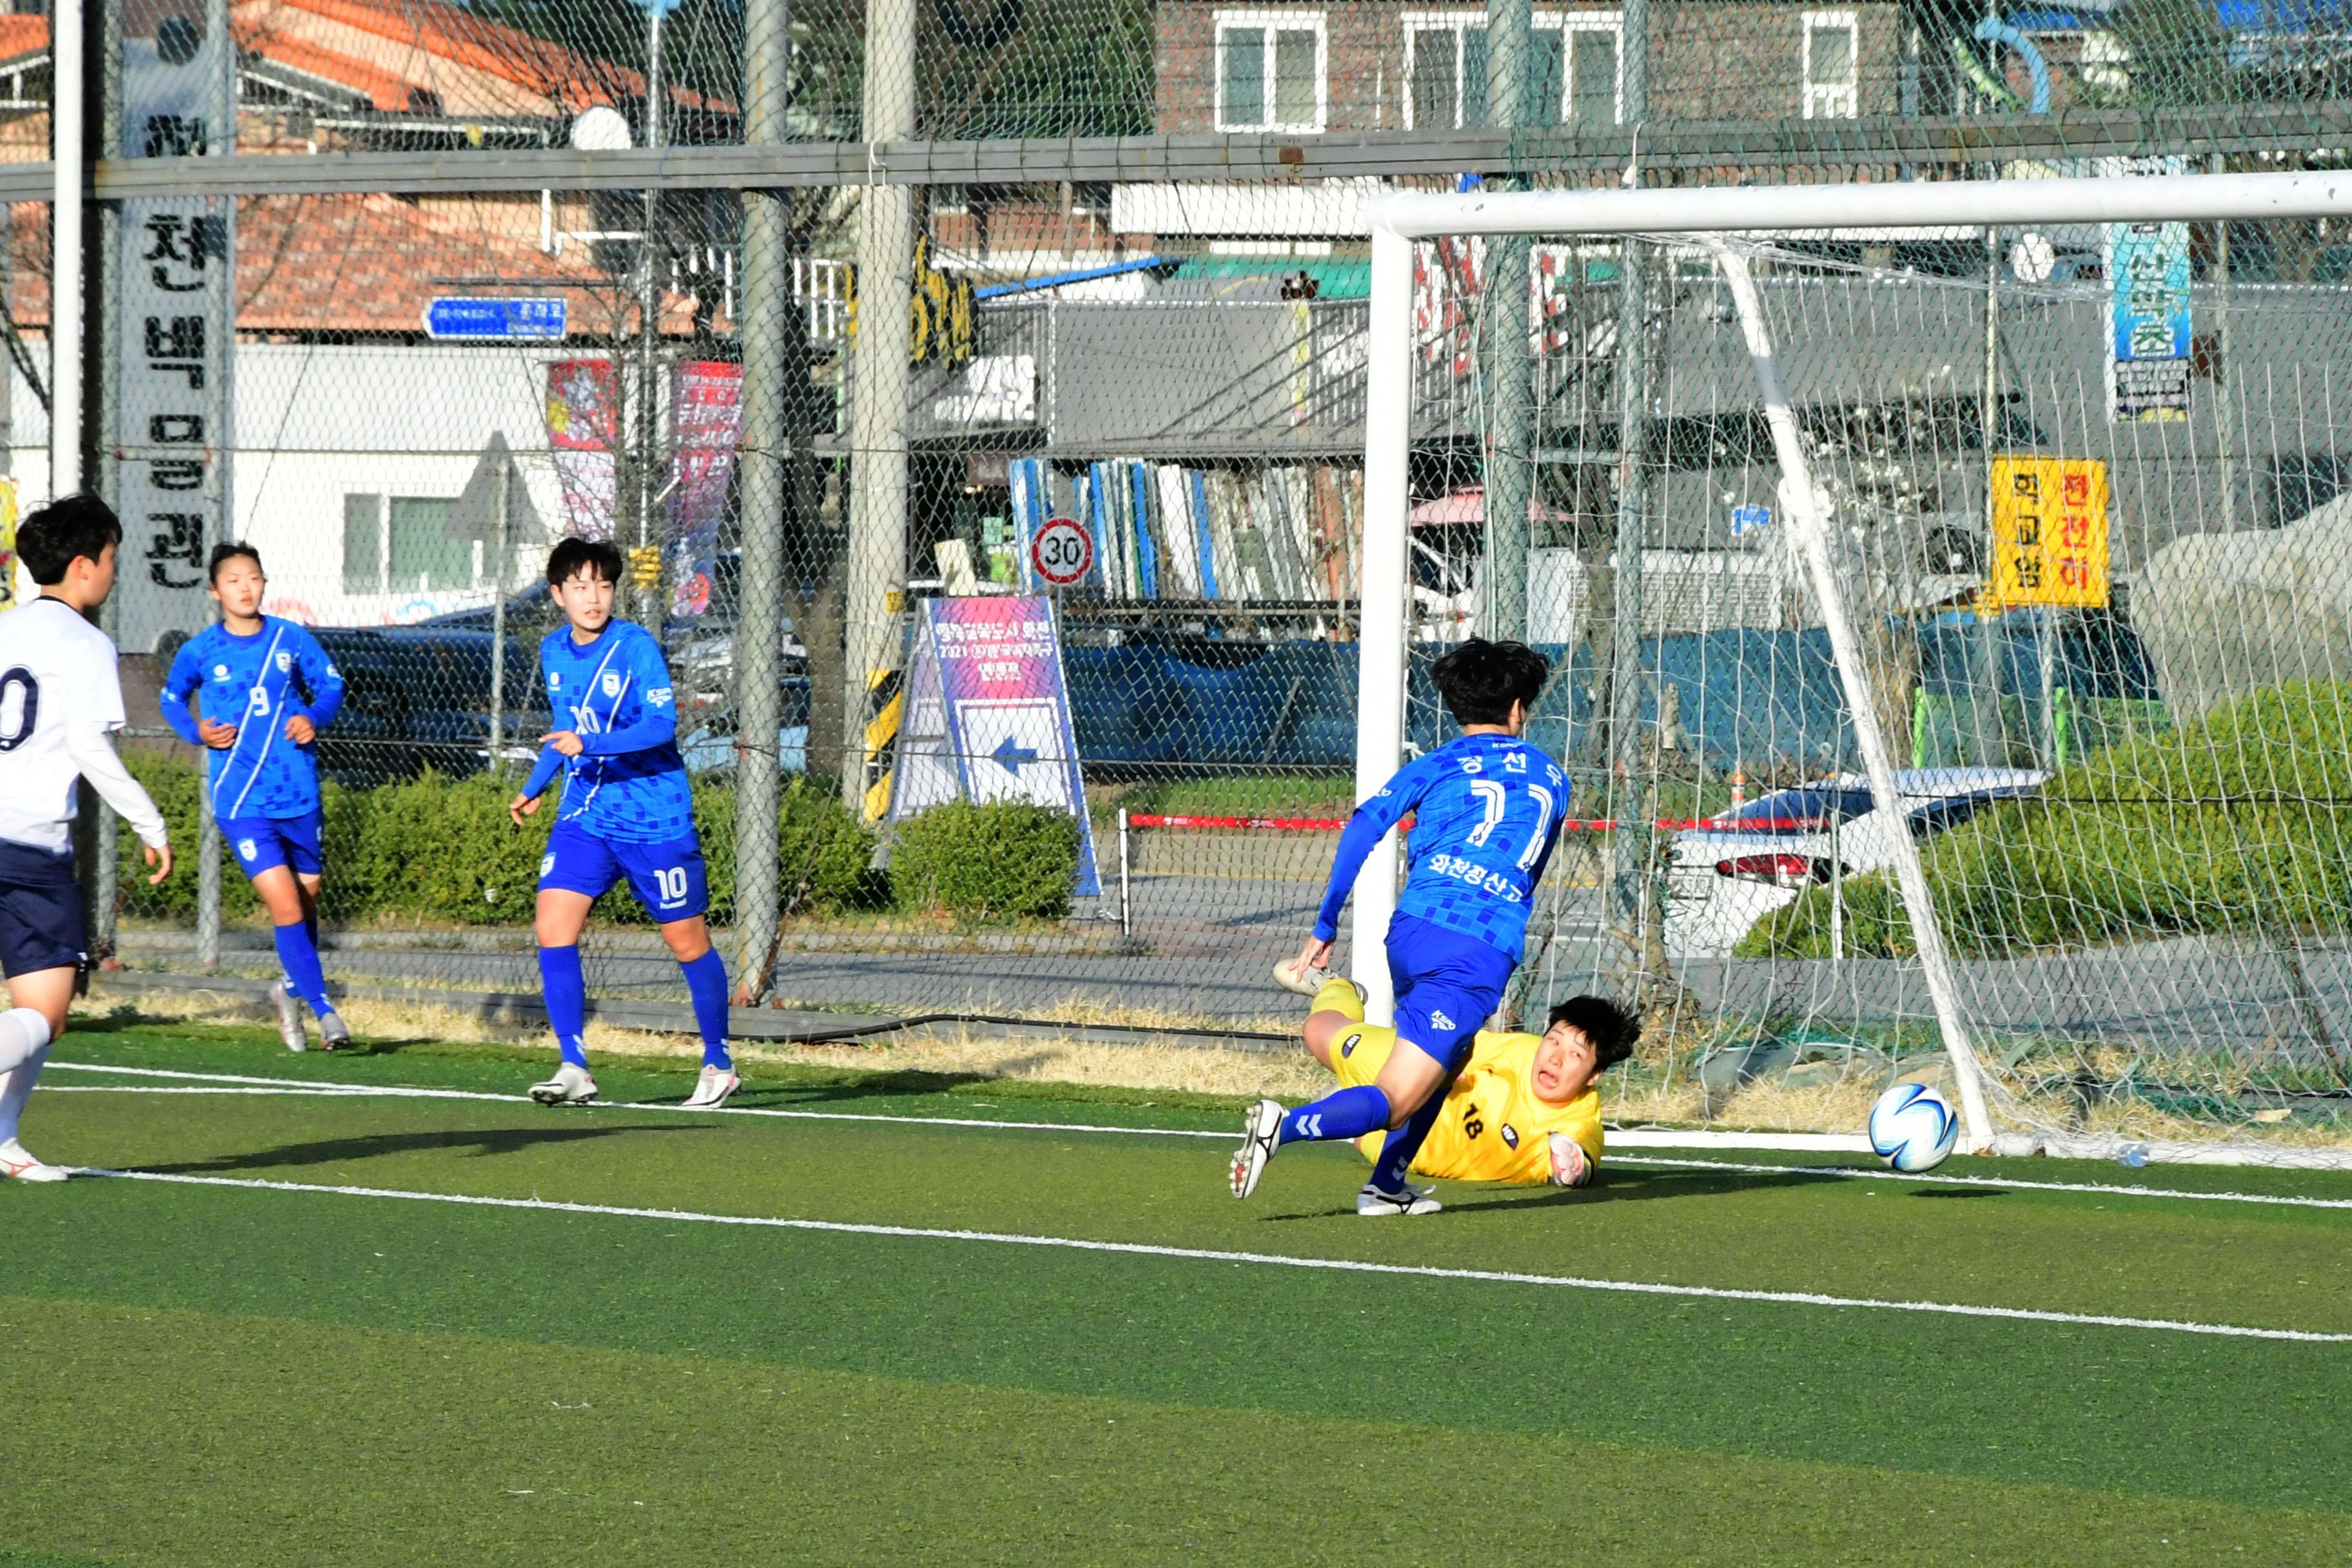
1062	551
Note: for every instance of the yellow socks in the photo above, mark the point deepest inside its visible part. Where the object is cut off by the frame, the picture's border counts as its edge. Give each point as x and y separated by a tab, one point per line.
1338	994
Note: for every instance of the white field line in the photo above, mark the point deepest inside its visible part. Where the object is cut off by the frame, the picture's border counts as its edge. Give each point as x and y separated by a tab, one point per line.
1855	1173
348	1091
1267	1259
365	1091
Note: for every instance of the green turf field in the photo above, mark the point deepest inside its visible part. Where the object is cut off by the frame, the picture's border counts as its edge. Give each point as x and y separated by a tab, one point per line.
242	1365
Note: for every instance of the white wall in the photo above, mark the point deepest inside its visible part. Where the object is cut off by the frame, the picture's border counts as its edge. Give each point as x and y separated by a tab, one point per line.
315	423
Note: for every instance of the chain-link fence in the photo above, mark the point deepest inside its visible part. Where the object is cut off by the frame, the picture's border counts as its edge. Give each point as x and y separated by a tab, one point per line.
978	398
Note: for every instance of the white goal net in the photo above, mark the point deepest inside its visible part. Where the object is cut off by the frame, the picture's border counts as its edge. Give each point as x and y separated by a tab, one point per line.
1948	605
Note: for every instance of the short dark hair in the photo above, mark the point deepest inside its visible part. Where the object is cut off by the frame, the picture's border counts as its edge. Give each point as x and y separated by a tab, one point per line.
227	550
570	556
1481	680
51	538
1611	1029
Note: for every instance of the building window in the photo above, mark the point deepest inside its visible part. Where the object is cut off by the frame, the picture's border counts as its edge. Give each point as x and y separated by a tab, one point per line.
400	544
1595	79
1833	66
1270	72
1573	76
1444	73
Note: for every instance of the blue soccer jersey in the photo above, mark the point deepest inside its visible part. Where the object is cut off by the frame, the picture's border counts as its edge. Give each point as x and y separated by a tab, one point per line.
629	786
1487	812
255	683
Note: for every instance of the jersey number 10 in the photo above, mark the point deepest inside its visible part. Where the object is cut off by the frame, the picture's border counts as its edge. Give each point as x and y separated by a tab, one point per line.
18	728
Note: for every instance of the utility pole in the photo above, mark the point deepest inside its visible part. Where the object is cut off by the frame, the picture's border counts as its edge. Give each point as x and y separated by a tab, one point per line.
767	302
877	419
652	601
1630	843
1506	375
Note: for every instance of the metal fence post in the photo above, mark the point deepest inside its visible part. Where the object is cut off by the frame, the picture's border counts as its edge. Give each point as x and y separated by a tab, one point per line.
759	628
879	376
499	618
208	877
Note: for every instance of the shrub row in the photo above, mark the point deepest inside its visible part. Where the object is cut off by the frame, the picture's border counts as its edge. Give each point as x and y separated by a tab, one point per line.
2234	825
444	850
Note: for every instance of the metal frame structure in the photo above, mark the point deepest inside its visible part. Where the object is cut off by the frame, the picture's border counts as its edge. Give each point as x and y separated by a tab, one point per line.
1698	145
1397	220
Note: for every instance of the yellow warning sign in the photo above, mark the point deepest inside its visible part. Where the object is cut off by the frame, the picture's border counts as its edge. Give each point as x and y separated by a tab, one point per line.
2049	532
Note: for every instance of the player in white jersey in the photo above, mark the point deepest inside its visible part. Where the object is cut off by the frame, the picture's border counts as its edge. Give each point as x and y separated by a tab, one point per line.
60	700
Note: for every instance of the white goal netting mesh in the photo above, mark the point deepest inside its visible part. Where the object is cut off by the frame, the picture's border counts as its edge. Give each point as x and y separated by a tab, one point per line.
2085	496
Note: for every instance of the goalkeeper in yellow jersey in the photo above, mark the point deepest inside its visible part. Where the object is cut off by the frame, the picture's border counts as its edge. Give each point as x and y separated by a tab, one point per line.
1524	1108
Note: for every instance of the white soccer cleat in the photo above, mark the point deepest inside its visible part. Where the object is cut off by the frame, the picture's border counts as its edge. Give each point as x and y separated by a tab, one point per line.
20	1164
712	1089
290	1016
1293	975
333	1033
569	1085
1372	1202
1261	1126
1570	1166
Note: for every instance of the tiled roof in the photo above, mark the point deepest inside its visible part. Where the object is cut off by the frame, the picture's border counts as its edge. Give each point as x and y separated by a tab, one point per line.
22	35
405	55
374	263
368	264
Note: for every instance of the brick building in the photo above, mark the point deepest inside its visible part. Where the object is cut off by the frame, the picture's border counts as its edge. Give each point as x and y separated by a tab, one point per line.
1377	64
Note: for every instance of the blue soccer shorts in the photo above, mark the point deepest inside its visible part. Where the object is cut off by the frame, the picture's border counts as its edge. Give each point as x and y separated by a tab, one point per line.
668	878
263	843
40	911
1446	986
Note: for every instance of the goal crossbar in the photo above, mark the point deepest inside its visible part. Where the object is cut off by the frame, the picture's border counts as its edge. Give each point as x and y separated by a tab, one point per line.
1397	219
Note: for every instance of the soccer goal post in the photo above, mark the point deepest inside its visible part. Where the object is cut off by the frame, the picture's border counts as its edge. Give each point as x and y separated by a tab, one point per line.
1907	424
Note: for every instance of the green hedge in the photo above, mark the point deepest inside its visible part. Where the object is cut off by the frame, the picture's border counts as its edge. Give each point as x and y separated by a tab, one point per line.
444	850
2233	826
1004	861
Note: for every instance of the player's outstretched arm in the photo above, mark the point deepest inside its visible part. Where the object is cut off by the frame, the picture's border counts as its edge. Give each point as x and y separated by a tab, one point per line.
1365	828
92	751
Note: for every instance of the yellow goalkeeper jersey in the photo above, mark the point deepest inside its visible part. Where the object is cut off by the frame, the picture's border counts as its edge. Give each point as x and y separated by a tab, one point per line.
1494	1129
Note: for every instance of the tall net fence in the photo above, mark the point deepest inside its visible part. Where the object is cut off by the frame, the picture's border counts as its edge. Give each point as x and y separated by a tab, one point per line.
978	398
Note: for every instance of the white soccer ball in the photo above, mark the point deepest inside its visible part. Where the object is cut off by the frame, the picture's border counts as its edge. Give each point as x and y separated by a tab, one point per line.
1912	1127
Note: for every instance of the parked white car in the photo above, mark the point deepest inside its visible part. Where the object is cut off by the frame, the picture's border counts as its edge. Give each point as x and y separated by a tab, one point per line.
1741	866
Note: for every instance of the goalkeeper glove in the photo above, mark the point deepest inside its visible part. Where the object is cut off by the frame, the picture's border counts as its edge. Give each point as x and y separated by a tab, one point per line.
1570	1166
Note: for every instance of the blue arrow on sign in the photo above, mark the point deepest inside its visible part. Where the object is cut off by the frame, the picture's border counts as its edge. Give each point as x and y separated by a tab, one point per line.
503	320
1011	756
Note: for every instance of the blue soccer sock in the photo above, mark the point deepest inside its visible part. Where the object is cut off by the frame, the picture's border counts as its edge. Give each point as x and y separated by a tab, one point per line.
566	992
299	957
706	981
1342	1113
1400	1145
